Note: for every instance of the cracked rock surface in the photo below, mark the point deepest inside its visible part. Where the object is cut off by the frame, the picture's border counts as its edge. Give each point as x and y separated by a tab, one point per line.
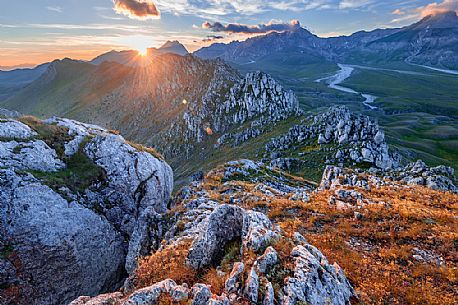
65	233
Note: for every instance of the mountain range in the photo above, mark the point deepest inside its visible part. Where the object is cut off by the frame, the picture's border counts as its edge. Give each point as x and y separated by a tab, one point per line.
187	104
431	41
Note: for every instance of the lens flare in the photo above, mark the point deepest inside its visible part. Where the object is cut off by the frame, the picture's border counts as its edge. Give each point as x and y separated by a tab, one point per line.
142	51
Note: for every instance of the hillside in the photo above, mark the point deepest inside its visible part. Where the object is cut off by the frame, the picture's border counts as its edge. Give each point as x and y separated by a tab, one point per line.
79	198
179	104
416	105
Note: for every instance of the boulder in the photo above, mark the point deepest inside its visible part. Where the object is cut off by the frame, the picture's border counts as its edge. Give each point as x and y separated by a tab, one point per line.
65	250
315	281
68	241
222	226
12	129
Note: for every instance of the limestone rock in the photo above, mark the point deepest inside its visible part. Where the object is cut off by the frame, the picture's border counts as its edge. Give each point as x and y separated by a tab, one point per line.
252	286
258	231
234	277
223	225
65	250
269	298
32	155
357	138
80	241
315	281
104	299
201	294
12	129
267	260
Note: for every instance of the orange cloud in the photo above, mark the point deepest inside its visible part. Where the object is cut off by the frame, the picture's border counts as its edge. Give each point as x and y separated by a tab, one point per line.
438	8
136	9
397	12
251	29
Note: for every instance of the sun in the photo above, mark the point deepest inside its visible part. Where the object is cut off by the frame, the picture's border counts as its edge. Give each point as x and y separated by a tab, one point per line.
142	51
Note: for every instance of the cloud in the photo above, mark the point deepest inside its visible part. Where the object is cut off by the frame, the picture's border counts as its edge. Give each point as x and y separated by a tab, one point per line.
211	38
397	12
57	9
437	8
251	29
136	9
212	8
352	4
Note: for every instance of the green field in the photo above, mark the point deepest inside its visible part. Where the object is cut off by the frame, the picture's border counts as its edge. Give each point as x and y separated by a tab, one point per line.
419	111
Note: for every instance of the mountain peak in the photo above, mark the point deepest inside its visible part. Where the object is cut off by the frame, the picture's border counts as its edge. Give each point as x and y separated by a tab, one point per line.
447	19
174	47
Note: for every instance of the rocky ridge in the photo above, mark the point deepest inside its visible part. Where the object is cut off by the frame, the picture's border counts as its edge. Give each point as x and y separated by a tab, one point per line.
346	137
235	113
77	207
209	225
440	178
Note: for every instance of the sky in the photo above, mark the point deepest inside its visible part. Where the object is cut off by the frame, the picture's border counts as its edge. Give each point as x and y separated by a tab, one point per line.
38	31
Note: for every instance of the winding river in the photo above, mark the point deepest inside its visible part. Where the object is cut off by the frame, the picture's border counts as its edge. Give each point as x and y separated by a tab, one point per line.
345	72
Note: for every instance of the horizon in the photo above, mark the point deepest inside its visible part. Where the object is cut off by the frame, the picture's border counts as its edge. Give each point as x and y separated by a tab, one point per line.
83	30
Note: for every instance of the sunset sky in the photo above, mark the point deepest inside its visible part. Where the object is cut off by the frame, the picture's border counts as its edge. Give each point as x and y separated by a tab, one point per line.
37	31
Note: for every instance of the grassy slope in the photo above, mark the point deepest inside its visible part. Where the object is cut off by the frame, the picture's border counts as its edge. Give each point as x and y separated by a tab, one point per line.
419	111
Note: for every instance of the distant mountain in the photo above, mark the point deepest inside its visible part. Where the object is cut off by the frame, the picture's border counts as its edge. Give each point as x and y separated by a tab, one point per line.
15	67
134	59
298	40
172	47
431	41
120	57
14	80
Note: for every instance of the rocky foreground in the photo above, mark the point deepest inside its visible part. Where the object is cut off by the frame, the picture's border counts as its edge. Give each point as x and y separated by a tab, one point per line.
83	212
77	204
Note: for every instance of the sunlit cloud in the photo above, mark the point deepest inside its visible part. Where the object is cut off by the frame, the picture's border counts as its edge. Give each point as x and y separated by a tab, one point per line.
136	9
438	8
251	29
434	8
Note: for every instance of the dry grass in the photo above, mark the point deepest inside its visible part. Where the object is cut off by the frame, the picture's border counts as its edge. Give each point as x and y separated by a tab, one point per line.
381	265
376	252
169	263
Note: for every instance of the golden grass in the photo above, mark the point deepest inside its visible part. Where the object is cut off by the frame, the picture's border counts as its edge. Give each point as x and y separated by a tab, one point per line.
379	261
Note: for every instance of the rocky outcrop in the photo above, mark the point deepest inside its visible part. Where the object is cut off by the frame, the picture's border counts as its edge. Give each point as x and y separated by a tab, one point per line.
256	100
255	265
417	173
6	113
223	225
62	249
315	281
78	206
345	136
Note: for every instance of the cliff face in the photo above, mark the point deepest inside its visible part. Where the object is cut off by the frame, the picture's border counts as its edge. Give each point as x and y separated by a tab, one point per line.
76	204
